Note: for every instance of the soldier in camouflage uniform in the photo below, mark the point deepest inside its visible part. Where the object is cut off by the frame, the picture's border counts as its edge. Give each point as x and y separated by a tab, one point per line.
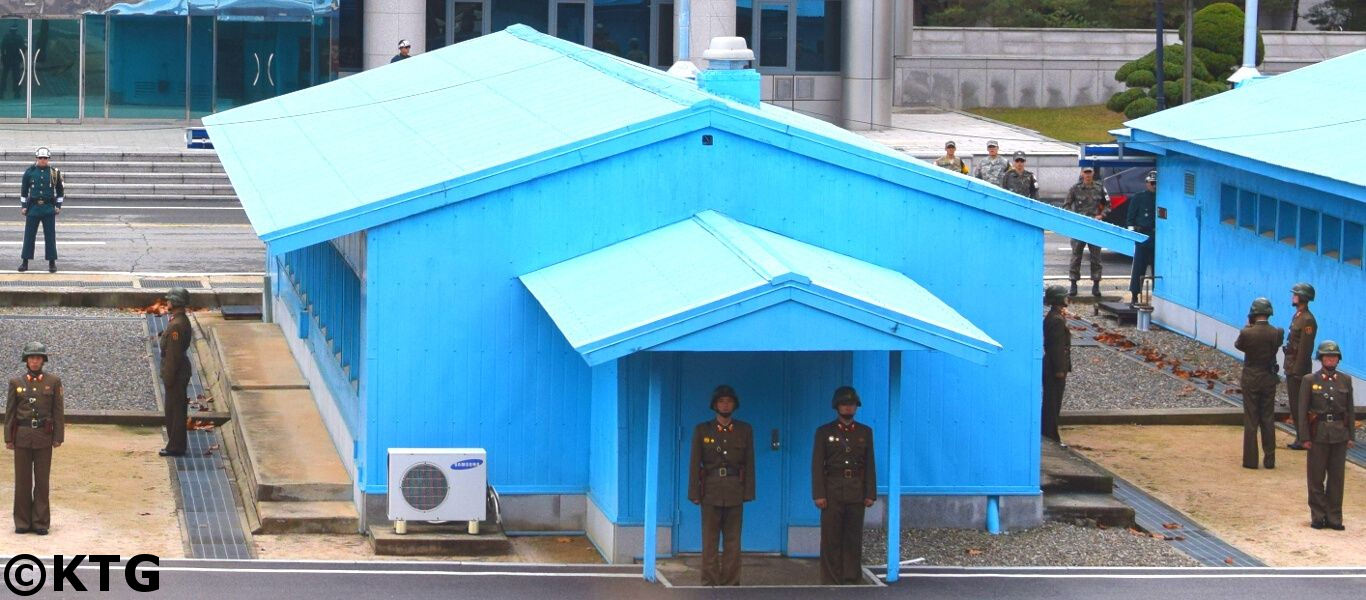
35	423
1087	197
1327	425
949	161
1020	180
1259	342
991	168
721	481
1298	346
843	485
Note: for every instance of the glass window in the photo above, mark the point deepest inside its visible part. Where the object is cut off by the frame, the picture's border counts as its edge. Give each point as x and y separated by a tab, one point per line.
1332	236
1266	217
744	22
622	28
569	21
147	67
1309	230
1285	228
350	31
773	46
201	66
1247	210
818	35
664	25
467	22
532	13
1351	243
436	24
95	28
1228	205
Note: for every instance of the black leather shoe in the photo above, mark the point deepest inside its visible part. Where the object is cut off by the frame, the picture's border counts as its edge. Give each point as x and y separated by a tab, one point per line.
23	266
51	266
1095	289
20	530
1338	527
1268	464
164	452
40	531
1253	467
1072	292
1318	524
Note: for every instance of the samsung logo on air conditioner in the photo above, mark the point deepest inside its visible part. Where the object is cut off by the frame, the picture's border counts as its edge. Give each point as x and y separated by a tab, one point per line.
467	464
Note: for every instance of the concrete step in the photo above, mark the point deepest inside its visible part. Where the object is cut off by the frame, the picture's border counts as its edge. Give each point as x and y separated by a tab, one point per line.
1073	507
187	156
96	198
82	189
109	177
306	517
1061	472
289	454
122	166
448	539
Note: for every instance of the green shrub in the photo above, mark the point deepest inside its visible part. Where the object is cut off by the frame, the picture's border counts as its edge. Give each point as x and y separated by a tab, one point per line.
1140	108
1122	99
1140	79
1204	89
1219	65
1219	28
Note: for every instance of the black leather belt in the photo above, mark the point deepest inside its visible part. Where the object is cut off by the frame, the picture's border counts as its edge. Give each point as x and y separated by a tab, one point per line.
725	472
845	473
1330	417
36	423
42	202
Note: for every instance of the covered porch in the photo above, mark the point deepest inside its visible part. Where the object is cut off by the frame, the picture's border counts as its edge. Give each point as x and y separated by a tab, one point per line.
664	316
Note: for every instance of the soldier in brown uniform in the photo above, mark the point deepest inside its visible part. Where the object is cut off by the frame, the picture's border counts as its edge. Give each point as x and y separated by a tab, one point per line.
175	371
34	425
1087	197
1328	422
843	484
1259	341
1298	348
721	480
1057	359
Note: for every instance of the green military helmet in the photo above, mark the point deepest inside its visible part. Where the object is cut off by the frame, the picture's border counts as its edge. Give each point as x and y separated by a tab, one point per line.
1260	307
1303	290
34	349
724	391
1055	295
1329	348
178	296
845	395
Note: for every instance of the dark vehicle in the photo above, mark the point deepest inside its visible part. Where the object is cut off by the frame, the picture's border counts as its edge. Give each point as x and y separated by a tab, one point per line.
1120	183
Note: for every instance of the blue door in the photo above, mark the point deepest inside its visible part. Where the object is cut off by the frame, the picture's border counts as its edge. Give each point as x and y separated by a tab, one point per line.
760	379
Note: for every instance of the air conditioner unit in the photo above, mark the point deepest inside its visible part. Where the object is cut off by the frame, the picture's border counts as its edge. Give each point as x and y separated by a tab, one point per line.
438	484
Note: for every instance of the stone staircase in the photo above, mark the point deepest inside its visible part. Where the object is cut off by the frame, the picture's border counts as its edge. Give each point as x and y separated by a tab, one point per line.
1074	491
94	177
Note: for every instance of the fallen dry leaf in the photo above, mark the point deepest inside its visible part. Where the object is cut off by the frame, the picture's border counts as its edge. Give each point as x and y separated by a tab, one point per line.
563	540
1228	560
972	552
1171	526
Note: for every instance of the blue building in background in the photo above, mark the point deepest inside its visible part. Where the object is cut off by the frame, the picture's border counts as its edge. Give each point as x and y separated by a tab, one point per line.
526	245
1259	188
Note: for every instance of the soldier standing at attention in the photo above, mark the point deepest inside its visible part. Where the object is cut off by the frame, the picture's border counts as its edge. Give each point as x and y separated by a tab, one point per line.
34	425
1328	422
721	480
1142	218
991	168
40	201
949	161
1020	181
1298	346
1087	197
1057	359
175	372
843	484
1259	341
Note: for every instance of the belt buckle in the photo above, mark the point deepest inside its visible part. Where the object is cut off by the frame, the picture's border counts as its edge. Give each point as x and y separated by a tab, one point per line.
33	423
41	202
848	473
721	471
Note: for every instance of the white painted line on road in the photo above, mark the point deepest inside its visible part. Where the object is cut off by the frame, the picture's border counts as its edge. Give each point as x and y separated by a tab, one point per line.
154	208
59	243
1213	575
260	570
153	275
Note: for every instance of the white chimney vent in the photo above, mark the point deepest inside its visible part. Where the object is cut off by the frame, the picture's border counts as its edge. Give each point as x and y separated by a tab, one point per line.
728	53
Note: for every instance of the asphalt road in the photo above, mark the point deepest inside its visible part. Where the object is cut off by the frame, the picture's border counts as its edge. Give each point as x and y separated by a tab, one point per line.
405	580
193	237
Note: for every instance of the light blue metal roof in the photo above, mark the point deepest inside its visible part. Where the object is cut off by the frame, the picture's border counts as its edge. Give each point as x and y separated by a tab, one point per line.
1310	120
505	108
701	273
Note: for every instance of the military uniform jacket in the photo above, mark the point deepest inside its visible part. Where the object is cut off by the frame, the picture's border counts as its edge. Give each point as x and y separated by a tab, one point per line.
952	164
1259	342
1057	344
1142	214
1327	414
1089	200
1299	345
842	467
1022	183
175	344
721	467
990	169
34	412
41	191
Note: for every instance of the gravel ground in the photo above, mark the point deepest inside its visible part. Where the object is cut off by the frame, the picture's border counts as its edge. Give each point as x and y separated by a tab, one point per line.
103	363
1100	380
1052	544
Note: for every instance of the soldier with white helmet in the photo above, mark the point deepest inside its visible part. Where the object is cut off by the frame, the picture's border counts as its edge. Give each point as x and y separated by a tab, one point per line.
40	200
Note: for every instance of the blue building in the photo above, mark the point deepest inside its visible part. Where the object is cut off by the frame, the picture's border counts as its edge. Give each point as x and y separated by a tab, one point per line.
525	245
1259	188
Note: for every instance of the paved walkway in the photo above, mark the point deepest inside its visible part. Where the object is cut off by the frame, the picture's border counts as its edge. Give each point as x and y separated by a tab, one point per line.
122	137
922	134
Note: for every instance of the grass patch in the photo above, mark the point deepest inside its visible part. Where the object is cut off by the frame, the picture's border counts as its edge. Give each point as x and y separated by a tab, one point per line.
1074	124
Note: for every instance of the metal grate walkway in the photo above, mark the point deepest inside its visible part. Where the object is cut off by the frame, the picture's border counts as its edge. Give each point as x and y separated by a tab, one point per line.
212	523
1152	514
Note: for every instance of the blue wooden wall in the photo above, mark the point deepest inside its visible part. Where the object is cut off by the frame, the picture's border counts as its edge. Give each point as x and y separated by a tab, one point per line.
321	288
1217	267
462	355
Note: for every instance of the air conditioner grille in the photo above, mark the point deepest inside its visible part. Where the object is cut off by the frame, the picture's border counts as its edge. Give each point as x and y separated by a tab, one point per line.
424	486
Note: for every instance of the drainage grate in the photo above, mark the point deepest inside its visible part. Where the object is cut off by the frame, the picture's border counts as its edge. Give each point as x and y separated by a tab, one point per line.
42	283
1200	544
189	284
213	525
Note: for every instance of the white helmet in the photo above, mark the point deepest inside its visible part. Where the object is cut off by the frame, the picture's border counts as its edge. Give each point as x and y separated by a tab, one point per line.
42	152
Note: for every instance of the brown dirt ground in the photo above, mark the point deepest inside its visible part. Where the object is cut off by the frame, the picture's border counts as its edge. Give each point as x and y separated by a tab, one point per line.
111	494
1198	470
574	549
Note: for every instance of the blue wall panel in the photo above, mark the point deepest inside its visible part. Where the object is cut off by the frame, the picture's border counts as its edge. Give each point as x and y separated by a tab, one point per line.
503	367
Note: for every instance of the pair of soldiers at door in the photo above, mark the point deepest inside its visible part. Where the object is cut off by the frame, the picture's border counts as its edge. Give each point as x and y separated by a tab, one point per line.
1321	403
843	485
35	423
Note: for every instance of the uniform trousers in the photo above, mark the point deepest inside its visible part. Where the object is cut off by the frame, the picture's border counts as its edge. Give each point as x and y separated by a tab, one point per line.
1074	268
1259	415
32	468
49	223
721	524
1052	404
176	411
1326	462
842	543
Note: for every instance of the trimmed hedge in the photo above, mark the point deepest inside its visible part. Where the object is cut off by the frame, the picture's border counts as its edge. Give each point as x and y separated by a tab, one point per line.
1122	99
1140	108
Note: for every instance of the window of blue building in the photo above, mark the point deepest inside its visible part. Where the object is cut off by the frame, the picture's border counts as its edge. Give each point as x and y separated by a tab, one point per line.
1352	243
350	33
1309	230
1266	217
622	27
1286	222
818	36
664	25
1247	210
787	36
1332	236
1228	205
